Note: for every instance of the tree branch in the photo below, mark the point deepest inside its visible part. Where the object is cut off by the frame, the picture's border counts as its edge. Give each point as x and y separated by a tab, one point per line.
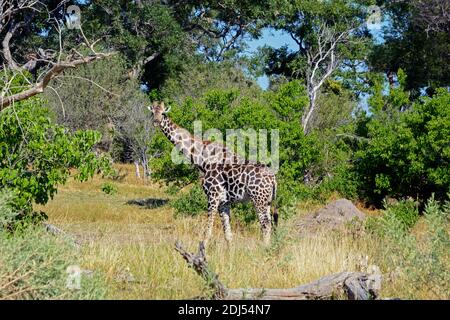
52	73
344	285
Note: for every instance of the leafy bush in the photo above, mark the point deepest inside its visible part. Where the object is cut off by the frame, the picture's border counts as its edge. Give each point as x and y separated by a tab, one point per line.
406	149
419	262
406	212
244	212
195	202
37	155
191	203
227	109
7	213
109	188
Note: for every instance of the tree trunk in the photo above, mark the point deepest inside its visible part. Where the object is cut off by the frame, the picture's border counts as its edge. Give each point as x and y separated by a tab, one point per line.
144	161
136	165
309	113
343	285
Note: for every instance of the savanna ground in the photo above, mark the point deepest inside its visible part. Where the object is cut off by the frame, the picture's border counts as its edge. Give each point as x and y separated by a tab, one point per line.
118	239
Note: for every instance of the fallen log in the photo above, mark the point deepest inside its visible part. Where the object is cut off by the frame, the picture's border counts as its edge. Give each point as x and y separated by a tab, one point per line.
343	285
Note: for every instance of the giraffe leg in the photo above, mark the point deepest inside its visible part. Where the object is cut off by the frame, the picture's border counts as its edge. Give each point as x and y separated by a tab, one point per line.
213	205
263	212
224	212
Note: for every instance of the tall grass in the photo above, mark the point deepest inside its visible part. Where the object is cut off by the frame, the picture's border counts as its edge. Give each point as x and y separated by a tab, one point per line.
124	239
33	264
418	260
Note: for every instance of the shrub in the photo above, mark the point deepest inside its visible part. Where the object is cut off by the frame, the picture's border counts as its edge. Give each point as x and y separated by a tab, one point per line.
406	152
227	109
195	202
7	213
420	262
109	188
33	265
36	155
405	211
244	212
191	203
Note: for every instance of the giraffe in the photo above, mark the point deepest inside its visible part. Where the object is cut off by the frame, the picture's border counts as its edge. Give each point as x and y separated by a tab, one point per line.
226	177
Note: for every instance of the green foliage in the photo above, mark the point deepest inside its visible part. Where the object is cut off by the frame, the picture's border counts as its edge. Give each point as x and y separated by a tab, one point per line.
201	78
244	212
138	31
406	152
191	203
109	188
406	212
421	53
195	202
280	109
419	262
36	155
225	109
7	212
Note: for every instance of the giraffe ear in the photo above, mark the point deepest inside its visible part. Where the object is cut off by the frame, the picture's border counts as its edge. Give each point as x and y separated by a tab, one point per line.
168	109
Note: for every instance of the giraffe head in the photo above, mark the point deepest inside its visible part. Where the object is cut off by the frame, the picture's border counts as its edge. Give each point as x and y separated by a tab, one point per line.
158	109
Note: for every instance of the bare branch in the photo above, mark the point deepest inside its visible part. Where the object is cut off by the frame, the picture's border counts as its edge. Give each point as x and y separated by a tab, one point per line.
50	60
433	15
54	71
323	60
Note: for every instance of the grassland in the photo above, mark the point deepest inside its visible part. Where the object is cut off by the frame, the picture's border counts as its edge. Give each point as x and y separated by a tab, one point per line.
123	239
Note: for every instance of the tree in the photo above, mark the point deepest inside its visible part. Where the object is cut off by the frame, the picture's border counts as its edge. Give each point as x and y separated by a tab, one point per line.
145	32
160	39
432	15
322	61
404	151
93	96
416	41
196	81
133	127
100	97
218	28
36	156
327	34
37	54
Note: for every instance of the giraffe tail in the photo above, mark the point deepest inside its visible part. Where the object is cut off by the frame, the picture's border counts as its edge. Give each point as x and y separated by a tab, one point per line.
275	209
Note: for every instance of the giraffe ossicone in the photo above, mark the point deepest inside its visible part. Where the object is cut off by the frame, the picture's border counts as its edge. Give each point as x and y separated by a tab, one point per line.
226	177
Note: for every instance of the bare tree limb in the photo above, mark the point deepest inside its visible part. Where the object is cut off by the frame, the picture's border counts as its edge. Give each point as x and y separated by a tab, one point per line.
5	45
199	264
54	71
344	285
323	60
49	59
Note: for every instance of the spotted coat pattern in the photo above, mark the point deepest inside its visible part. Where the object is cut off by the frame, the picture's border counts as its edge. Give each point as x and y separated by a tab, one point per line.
226	177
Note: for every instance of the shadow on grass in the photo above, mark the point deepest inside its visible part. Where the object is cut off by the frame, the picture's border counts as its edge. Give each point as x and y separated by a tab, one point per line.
149	203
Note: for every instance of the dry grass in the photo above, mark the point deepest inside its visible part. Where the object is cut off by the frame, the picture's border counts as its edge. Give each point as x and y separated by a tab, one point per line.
121	238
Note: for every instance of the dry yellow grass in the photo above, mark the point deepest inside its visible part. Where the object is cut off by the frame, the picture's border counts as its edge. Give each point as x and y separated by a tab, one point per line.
120	238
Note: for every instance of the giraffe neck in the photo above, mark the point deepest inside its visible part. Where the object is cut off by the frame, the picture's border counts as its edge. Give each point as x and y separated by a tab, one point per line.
169	128
184	141
200	153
